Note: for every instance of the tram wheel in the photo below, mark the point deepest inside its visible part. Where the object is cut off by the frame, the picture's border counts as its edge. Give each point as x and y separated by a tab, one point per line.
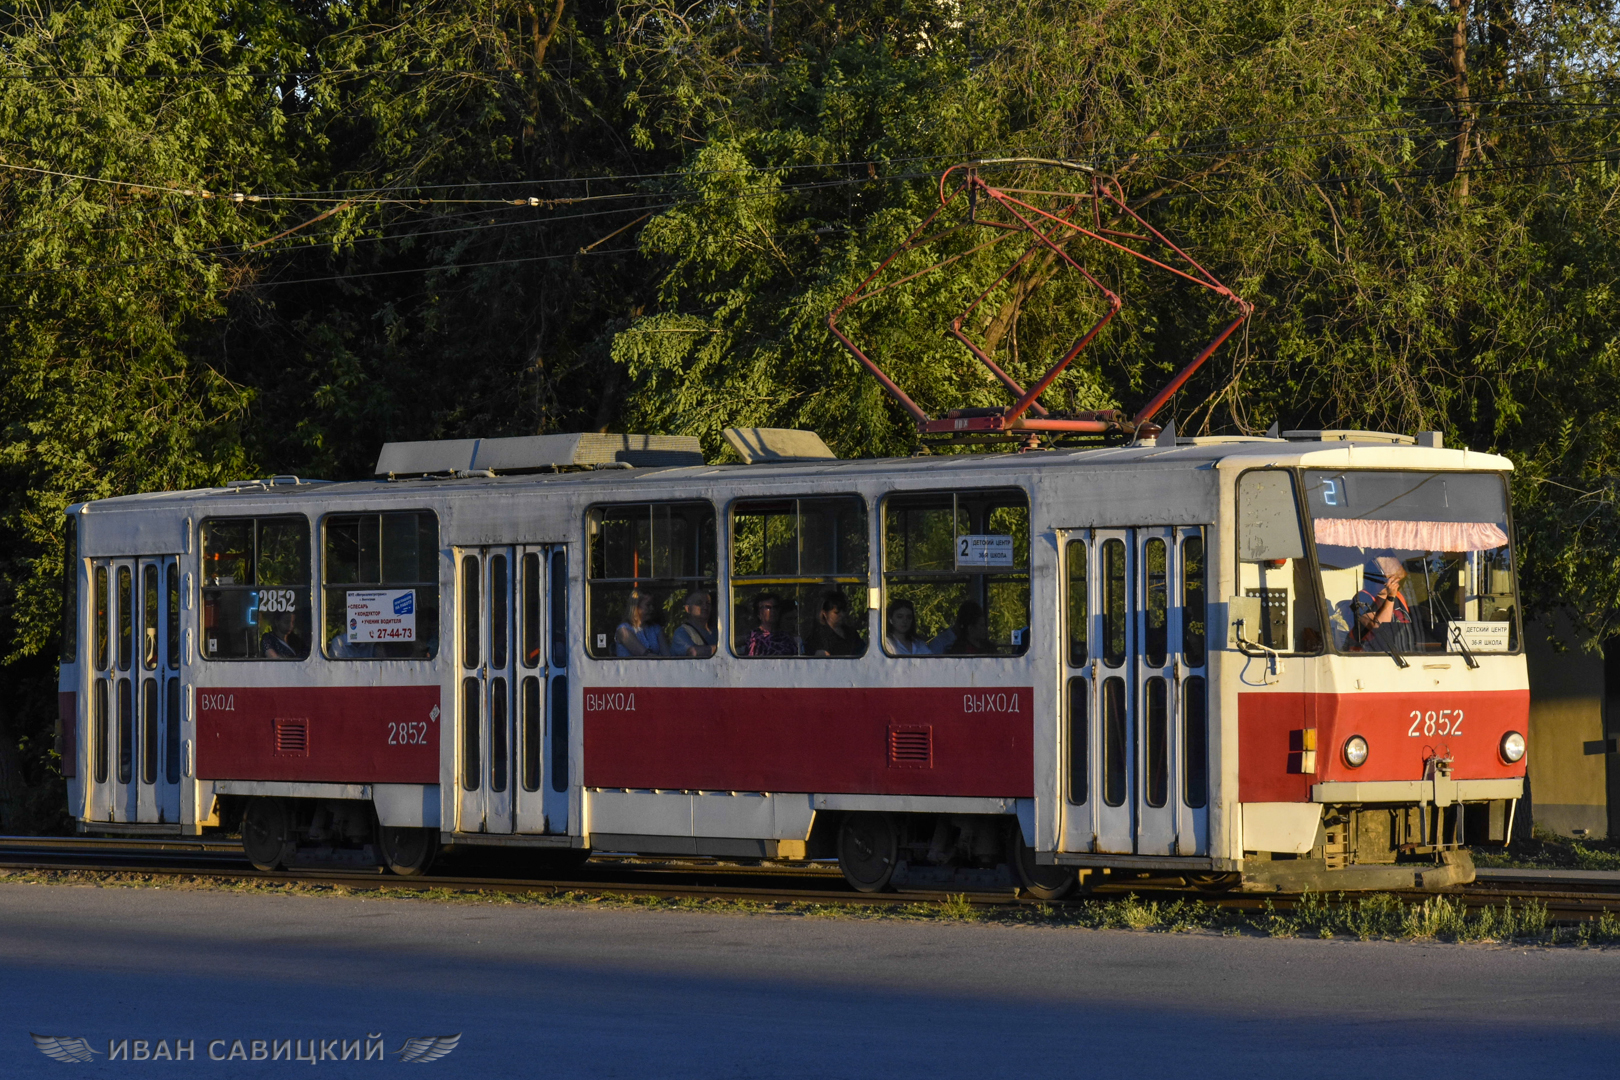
868	847
408	852
1211	883
1040	882
266	833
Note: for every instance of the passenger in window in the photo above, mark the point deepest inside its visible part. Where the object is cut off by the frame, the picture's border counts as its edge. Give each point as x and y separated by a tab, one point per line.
969	635
275	643
341	648
901	638
695	636
834	633
1383	620
767	640
639	635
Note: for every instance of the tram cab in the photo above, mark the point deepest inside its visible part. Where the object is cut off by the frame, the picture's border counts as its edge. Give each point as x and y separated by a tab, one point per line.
1262	662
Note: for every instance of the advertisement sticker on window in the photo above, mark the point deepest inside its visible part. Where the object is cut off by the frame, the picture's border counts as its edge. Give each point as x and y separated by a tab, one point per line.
382	615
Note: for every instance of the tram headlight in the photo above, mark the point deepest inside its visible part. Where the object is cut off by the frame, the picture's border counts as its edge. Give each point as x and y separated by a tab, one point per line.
1355	751
1512	747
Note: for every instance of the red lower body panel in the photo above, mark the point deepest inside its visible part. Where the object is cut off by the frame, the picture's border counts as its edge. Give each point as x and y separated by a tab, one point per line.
915	741
1402	731
335	734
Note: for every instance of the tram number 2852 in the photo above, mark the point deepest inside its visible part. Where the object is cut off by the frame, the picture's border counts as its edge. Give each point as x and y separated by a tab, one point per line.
1441	722
272	601
408	733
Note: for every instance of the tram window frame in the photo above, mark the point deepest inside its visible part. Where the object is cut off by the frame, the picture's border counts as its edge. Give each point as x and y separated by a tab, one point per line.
69	651
171	641
387	574
101	631
1194	582
678	566
531	622
1306	614
803	590
1078	756
908	574
220	595
98	729
1078	596
1195	741
151	601
1114	624
126	617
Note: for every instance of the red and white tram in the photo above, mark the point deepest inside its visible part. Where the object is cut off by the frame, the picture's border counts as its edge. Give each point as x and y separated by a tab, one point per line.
1283	661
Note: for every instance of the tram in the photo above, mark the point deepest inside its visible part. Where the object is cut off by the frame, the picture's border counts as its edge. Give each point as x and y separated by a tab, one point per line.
1262	662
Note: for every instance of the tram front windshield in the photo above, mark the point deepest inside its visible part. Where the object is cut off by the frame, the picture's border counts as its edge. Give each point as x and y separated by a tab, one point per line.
1413	562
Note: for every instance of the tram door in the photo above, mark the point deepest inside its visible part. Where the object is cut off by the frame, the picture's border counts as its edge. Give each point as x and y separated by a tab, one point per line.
484	701
507	664
133	712
1135	732
157	700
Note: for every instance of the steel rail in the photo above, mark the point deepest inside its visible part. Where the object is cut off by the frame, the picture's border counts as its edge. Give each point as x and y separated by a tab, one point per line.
700	878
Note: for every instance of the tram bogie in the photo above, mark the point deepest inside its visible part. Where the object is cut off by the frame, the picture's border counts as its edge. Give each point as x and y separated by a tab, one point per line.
1266	662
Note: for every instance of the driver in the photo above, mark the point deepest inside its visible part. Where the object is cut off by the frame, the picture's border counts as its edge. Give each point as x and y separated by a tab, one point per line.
1383	616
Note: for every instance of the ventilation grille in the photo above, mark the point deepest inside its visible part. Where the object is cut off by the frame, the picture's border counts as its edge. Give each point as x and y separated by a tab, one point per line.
911	747
292	737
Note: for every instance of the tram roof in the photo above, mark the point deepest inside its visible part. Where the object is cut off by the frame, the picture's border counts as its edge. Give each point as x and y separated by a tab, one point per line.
1221	453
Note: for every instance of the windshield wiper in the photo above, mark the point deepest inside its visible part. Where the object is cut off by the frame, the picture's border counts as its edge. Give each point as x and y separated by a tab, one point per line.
1462	646
1400	661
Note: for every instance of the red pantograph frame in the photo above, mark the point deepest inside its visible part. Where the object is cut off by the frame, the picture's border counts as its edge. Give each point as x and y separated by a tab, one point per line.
1012	420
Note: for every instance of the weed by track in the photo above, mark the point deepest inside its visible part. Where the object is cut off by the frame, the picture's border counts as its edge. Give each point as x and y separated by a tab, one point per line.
1544	851
1375	917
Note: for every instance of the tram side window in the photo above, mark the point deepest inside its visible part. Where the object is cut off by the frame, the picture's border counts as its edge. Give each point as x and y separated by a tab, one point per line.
1272	566
960	562
255	594
380	583
799	577
650	589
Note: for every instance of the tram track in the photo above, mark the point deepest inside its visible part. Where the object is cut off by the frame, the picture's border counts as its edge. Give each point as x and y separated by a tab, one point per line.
697	878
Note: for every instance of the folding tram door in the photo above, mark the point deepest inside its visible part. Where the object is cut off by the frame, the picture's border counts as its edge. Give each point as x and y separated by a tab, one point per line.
511	664
1135	732
135	700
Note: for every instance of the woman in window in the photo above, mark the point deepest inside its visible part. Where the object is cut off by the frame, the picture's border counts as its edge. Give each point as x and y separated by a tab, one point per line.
767	640
638	635
834	633
902	639
276	641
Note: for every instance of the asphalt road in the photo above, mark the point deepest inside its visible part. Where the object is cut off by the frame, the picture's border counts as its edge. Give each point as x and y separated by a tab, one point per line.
572	992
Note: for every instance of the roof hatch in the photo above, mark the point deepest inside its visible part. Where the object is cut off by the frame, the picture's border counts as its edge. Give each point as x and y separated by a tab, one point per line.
533	453
757	445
